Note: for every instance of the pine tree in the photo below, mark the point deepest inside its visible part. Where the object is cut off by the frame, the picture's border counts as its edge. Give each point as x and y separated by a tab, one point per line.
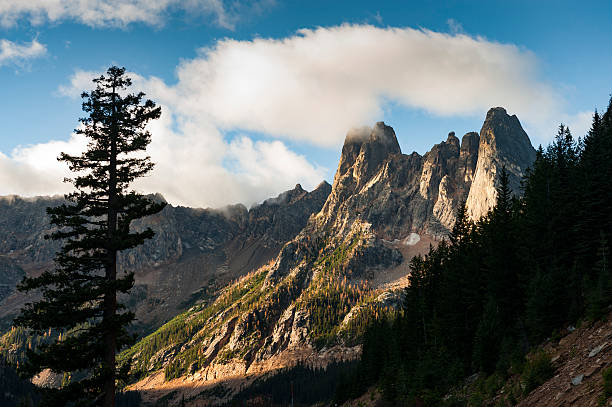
599	292
501	262
462	227
79	297
488	338
595	189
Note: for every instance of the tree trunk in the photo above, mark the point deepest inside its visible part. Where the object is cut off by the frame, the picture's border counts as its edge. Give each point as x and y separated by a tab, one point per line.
110	297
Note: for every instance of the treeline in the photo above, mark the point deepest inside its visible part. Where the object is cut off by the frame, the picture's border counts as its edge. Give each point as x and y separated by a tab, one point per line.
496	288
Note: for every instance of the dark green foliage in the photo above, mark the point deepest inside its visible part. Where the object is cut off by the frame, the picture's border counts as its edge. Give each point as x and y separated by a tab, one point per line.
15	391
79	297
537	370
128	399
487	342
599	287
479	301
541	308
309	386
607	384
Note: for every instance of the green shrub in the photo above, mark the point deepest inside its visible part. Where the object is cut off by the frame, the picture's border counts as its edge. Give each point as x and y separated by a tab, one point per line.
537	370
455	401
492	384
476	400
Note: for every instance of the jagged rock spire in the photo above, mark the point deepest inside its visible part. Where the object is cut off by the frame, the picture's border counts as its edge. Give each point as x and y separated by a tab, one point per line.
367	147
503	142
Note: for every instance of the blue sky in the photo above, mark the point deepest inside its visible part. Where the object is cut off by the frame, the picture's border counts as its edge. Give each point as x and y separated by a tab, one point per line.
547	61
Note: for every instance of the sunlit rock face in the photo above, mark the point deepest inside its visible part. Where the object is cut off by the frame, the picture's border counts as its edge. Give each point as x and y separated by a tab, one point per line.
399	194
503	143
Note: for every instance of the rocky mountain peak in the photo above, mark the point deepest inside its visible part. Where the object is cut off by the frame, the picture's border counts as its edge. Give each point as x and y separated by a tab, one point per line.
385	135
470	142
505	133
365	151
368	146
287	197
503	143
323	185
453	140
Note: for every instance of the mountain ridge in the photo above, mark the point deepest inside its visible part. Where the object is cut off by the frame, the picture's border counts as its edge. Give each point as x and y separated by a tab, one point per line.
193	254
312	302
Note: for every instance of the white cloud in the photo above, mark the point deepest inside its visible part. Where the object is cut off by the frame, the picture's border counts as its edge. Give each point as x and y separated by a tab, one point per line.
34	170
197	166
315	85
120	13
18	54
194	164
261	164
311	88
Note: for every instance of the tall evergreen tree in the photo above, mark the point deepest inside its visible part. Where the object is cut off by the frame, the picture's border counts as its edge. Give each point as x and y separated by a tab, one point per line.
595	189
599	288
79	297
501	261
462	227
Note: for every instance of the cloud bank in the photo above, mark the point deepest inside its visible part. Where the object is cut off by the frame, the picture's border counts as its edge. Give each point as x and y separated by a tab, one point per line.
12	53
315	85
121	13
310	88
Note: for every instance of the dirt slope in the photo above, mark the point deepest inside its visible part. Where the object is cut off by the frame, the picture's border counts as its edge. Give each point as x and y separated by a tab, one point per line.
580	358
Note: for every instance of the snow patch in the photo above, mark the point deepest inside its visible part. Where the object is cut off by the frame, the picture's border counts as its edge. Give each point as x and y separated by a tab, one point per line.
412	239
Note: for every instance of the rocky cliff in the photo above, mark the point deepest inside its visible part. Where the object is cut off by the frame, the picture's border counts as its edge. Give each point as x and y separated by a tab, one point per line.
503	143
313	300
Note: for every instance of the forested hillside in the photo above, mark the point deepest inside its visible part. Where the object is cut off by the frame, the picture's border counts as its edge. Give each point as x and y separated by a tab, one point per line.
483	299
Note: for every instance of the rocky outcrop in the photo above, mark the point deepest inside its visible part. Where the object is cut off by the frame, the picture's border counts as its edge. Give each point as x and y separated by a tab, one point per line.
400	194
279	219
579	358
503	143
468	157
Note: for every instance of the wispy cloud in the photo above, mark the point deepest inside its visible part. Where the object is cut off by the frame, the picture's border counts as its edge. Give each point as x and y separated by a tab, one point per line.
12	53
455	26
378	18
121	13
